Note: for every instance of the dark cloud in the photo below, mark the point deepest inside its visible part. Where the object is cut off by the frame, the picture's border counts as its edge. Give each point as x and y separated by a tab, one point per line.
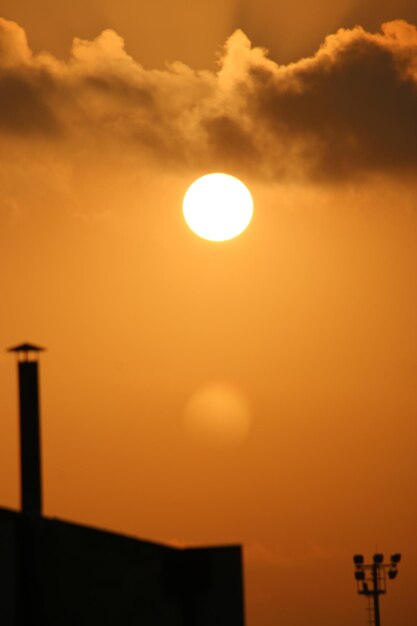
347	111
353	111
25	103
227	139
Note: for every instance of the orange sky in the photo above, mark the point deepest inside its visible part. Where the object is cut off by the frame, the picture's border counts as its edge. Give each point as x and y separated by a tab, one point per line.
310	314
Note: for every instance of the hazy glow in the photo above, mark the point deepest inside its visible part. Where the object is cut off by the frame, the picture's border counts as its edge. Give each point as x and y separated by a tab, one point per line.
218	207
218	413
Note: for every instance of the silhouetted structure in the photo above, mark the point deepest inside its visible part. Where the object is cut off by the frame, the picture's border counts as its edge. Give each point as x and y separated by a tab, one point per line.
54	573
80	576
30	448
371	579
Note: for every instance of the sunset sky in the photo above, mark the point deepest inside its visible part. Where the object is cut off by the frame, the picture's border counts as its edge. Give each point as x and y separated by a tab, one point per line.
306	323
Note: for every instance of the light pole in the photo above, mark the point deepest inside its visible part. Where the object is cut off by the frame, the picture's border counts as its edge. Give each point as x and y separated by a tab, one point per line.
371	579
28	557
30	443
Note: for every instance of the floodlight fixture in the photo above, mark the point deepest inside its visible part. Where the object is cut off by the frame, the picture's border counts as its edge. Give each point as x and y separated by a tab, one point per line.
371	580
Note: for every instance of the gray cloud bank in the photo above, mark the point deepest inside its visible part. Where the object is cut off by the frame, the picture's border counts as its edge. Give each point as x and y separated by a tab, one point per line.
348	111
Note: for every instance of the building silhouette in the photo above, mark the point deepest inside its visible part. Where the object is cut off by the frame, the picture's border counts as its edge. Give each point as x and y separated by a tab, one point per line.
55	573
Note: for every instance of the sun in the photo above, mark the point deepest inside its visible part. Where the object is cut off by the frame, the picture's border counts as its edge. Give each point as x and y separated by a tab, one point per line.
218	207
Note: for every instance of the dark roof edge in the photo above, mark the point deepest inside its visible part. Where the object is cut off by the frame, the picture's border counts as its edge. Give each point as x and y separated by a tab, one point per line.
16	513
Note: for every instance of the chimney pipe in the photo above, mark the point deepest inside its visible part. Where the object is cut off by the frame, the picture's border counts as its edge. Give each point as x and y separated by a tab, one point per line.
30	444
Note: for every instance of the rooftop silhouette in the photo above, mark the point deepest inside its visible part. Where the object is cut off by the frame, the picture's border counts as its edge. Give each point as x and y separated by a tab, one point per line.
58	573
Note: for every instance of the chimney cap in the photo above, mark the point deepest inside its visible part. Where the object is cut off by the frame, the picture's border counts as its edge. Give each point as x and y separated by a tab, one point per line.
26	347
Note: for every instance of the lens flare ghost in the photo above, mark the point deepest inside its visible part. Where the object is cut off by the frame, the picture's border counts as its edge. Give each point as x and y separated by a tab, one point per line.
218	207
218	414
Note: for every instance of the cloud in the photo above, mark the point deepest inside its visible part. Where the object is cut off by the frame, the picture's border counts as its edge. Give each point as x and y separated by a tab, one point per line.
346	112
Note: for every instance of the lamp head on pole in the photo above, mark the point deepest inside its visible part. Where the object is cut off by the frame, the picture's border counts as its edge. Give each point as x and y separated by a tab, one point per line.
25	350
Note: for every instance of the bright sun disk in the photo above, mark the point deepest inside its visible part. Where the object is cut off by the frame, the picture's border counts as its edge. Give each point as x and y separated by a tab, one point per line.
218	207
